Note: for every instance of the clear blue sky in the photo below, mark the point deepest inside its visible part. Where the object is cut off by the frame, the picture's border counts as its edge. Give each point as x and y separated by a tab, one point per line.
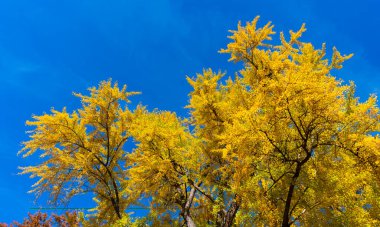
48	49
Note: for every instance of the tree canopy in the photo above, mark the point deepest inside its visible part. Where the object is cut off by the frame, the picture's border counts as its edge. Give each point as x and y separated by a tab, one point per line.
282	142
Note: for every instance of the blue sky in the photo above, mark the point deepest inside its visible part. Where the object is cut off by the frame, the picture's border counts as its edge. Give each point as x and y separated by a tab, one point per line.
48	49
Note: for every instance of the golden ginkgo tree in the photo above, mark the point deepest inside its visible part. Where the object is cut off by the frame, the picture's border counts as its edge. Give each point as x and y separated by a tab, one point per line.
83	151
283	142
293	144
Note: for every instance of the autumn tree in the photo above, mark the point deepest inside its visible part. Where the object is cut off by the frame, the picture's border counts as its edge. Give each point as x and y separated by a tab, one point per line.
283	142
166	163
83	151
287	142
69	219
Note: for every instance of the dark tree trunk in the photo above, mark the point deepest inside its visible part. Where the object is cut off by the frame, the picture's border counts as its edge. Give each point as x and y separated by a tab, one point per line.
287	212
231	214
286	218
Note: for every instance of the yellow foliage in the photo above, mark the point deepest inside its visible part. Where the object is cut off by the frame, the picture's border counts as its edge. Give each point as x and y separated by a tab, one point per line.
282	143
82	151
286	135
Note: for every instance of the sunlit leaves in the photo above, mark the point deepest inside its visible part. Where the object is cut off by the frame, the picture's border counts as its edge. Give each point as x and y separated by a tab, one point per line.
83	151
288	134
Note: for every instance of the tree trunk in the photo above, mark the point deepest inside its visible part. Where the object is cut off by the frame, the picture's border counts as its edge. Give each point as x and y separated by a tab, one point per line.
189	221
186	210
286	216
231	214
